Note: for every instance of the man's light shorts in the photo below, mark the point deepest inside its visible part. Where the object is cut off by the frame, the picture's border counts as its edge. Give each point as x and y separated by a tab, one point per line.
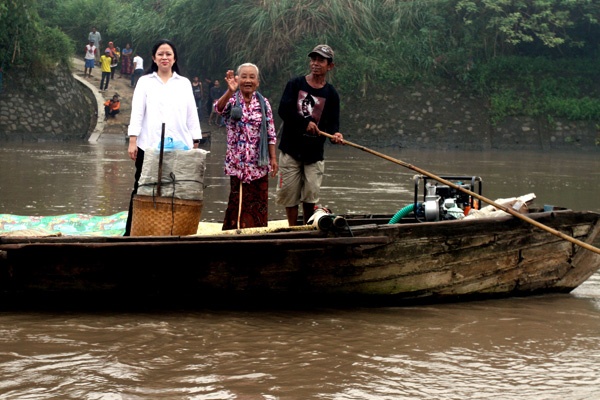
89	63
298	182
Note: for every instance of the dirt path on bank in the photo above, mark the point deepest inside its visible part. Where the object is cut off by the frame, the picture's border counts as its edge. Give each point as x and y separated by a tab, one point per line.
113	128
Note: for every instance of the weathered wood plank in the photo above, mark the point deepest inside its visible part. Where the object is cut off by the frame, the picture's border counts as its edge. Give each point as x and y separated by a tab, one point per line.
445	260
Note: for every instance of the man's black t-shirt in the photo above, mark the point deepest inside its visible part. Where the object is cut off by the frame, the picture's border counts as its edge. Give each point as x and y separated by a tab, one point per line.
300	104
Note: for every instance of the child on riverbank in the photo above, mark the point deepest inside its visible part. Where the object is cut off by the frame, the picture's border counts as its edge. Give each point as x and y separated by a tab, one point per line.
112	107
105	61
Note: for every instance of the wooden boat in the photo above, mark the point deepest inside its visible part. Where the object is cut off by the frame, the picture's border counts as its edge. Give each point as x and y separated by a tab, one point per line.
367	261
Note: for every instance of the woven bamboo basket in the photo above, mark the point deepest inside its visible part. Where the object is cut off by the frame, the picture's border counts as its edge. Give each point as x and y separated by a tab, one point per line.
165	216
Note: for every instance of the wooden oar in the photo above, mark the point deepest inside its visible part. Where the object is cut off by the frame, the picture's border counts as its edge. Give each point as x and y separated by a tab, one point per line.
160	160
473	194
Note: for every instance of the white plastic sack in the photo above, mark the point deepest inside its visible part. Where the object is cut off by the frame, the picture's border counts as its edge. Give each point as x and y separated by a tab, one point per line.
519	204
182	174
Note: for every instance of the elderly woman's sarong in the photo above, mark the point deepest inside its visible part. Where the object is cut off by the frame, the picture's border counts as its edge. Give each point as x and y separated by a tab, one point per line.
255	202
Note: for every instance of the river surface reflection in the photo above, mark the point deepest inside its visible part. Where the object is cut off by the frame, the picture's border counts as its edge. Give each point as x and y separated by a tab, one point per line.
545	347
64	178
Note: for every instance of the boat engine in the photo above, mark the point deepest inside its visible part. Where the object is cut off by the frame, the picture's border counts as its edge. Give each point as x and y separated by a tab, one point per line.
443	202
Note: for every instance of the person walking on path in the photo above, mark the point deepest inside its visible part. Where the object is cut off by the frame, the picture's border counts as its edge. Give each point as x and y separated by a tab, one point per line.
215	94
207	86
95	37
105	61
309	104
89	58
138	69
162	96
197	89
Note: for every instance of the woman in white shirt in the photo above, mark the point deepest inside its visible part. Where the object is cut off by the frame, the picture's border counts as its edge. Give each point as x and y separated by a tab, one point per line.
162	95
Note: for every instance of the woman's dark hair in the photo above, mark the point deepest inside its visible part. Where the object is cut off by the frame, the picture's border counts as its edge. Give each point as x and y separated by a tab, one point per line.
153	67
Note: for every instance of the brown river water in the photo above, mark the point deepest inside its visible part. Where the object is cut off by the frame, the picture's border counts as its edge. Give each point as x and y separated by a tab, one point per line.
542	347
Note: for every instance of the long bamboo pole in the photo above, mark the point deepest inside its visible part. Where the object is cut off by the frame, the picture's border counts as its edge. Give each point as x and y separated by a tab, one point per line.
473	194
160	160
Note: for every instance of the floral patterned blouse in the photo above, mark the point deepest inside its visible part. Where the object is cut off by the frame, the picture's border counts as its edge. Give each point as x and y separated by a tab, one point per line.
243	138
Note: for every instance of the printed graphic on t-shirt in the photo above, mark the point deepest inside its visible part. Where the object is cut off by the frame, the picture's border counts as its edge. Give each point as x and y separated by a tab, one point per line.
310	106
90	51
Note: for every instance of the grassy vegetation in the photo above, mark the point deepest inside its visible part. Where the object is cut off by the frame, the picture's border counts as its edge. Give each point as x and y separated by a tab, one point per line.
529	57
27	43
538	86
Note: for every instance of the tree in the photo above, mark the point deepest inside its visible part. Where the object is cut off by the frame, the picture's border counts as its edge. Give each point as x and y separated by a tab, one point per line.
26	42
509	25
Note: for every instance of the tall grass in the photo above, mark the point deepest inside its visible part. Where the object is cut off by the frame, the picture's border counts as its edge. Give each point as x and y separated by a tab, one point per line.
378	43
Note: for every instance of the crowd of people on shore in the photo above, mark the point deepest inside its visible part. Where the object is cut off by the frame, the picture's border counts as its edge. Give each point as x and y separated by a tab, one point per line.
130	65
109	60
309	108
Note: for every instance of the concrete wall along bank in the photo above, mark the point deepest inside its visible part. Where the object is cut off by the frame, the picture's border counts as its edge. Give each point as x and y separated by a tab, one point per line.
448	118
52	108
59	107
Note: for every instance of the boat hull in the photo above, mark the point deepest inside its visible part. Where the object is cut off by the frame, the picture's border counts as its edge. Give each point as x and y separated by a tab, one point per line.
379	264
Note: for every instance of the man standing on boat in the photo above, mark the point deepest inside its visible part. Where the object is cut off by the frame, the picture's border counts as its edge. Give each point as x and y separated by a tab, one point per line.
308	105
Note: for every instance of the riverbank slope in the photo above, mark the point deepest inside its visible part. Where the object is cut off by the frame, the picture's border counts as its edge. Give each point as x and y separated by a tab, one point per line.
114	128
445	117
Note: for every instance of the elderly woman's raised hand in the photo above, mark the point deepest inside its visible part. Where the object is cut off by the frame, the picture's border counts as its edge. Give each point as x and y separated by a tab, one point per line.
231	80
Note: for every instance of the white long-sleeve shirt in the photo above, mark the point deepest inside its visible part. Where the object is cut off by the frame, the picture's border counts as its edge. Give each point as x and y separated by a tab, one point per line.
155	102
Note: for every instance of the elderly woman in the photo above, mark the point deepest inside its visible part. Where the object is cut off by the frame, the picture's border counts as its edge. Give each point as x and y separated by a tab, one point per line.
250	154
